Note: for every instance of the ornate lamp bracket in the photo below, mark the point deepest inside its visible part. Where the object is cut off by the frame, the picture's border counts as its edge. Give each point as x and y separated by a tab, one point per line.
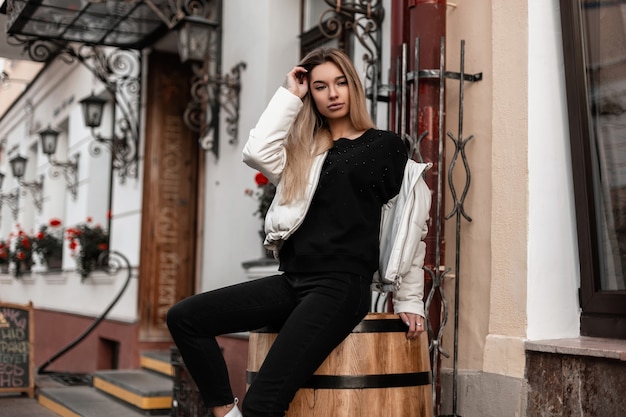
210	92
120	72
200	41
36	190
122	146
13	200
69	170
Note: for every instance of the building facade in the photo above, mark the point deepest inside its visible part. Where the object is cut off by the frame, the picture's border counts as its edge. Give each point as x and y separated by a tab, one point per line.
530	287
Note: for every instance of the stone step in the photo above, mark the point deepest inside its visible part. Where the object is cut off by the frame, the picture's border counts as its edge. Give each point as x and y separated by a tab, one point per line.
145	390
84	401
157	361
123	393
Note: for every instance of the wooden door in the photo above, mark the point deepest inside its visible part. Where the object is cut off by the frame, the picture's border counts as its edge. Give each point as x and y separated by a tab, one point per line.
171	183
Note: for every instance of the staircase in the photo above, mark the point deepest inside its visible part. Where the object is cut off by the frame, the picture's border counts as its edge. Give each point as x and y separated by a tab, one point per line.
119	393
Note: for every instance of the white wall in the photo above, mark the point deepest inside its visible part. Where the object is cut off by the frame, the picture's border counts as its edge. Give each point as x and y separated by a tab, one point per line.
55	97
553	274
264	34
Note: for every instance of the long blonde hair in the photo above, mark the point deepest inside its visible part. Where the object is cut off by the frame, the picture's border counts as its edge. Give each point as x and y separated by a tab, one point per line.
309	135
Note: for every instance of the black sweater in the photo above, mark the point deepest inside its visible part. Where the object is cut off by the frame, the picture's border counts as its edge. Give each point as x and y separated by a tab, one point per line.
341	229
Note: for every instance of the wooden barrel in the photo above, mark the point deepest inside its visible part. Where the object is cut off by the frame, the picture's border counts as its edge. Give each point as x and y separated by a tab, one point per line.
375	371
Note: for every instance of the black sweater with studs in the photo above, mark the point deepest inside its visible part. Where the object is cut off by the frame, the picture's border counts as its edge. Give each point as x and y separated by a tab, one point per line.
341	229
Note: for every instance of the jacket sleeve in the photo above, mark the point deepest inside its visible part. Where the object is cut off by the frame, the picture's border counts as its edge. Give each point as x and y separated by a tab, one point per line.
408	298
264	150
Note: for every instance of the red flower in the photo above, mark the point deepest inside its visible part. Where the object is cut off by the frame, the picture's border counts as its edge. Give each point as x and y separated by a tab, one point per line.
89	219
72	233
73	244
26	243
55	222
102	246
21	256
261	179
264	195
40	235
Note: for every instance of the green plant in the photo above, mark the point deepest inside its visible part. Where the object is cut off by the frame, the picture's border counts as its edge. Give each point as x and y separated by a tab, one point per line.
88	245
264	195
4	252
21	252
48	242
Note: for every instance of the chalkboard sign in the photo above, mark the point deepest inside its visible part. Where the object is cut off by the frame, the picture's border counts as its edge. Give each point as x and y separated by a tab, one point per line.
16	349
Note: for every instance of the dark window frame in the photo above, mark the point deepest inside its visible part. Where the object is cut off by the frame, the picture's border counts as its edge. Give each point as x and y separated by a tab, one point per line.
603	312
314	38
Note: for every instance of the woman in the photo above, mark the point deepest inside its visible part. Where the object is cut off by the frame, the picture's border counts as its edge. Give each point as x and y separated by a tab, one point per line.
335	175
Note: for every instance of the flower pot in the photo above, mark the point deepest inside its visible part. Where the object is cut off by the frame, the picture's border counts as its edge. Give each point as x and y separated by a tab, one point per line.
21	267
98	261
54	262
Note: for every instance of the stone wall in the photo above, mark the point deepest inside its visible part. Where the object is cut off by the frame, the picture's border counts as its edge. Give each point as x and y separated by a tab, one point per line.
563	385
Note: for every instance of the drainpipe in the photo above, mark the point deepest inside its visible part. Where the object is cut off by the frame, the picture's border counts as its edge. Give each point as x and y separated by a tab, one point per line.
399	35
427	22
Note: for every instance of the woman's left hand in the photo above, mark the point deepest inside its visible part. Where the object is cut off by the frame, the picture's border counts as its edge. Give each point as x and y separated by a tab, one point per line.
415	324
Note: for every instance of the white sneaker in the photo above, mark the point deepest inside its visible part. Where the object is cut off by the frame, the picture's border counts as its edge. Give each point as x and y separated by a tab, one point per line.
234	412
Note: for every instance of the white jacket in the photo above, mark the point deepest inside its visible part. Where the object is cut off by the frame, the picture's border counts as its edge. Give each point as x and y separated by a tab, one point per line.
403	222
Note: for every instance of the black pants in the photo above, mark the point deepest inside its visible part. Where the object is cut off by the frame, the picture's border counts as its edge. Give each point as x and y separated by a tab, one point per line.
314	312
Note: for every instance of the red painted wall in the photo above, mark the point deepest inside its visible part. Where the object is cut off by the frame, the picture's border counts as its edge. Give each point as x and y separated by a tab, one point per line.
55	330
235	351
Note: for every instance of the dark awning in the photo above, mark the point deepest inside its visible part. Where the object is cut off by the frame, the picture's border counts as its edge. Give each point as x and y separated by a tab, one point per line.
129	24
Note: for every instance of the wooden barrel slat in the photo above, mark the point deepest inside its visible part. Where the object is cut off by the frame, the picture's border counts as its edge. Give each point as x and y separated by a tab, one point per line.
401	402
378	355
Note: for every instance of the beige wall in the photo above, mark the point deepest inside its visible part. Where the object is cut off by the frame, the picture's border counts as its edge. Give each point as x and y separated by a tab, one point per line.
492	273
504	350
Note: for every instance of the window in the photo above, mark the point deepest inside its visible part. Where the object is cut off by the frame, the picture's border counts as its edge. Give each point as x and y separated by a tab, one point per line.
594	45
314	12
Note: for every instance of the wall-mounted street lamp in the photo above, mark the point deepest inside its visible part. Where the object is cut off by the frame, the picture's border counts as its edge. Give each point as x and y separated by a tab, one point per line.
195	34
124	147
93	108
12	199
49	138
18	167
199	41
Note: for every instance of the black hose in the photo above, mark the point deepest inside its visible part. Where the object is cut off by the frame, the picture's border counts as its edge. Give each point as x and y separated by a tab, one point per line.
93	325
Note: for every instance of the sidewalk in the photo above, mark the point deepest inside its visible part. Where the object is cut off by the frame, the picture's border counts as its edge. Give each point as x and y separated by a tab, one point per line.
15	405
19	405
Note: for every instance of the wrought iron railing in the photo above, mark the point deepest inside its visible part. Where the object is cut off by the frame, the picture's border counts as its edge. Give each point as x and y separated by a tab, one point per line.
364	18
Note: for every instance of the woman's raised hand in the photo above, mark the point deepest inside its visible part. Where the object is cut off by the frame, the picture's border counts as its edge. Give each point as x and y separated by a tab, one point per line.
297	81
